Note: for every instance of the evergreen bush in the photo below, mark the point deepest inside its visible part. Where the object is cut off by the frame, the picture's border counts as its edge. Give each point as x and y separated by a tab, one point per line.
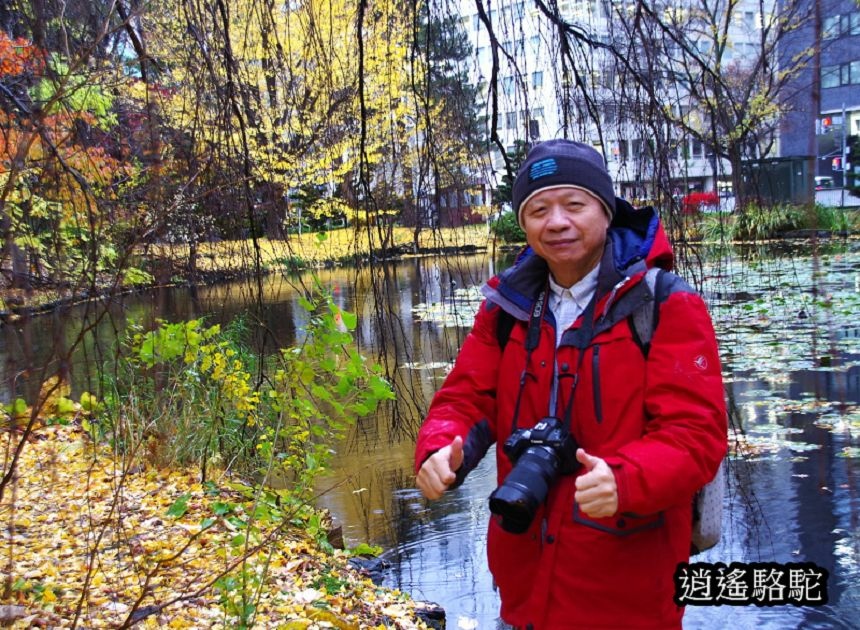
508	229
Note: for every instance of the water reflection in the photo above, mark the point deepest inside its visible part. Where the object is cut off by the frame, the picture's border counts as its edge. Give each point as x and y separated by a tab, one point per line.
791	346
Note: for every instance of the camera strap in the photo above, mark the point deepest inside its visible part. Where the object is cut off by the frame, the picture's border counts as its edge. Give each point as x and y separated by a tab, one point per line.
532	340
583	339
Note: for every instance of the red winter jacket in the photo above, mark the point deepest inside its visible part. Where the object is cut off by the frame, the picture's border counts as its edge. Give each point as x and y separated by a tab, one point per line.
658	421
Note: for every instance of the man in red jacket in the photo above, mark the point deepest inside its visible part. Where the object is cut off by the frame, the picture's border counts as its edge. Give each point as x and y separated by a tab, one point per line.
607	433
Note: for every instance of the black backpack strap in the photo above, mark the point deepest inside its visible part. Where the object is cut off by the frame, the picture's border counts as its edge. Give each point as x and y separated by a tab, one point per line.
504	326
644	321
505	322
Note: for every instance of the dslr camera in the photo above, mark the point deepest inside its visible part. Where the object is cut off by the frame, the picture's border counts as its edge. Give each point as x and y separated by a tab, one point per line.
539	455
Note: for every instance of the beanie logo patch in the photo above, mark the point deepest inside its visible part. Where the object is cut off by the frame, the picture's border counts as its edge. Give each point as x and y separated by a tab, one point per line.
543	168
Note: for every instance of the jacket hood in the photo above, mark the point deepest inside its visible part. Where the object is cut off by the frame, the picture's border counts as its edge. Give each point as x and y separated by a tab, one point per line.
635	241
637	235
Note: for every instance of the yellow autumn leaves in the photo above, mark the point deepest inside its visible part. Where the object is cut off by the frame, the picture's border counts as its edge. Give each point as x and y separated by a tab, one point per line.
337	245
95	541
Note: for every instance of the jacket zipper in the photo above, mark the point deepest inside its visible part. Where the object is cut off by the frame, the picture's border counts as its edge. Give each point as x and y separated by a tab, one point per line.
595	379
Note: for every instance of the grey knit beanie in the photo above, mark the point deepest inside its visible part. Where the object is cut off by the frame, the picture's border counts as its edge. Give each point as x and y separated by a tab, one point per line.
556	163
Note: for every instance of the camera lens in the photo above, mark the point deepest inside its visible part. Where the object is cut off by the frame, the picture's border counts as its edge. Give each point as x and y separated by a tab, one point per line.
516	500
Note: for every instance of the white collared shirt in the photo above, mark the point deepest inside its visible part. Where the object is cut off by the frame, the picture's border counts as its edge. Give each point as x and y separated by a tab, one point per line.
567	303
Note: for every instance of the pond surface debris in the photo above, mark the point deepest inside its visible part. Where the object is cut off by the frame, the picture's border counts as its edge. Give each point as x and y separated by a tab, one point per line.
92	541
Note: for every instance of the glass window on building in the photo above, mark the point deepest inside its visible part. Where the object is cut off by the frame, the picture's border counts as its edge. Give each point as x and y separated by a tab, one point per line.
854	72
584	9
845	74
697	148
830	27
854	23
830	77
537	112
537	79
508	86
497	159
651	147
511	120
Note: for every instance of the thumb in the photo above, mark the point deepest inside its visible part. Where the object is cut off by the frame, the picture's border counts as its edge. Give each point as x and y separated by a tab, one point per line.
589	461
456	457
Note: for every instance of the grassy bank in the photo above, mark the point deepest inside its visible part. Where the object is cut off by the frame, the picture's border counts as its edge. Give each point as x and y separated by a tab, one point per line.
163	264
319	248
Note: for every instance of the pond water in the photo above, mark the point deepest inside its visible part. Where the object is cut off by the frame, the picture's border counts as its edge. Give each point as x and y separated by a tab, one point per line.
789	331
790	340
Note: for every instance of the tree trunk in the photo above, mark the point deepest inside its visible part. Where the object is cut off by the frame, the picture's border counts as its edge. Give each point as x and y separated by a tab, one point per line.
743	194
19	278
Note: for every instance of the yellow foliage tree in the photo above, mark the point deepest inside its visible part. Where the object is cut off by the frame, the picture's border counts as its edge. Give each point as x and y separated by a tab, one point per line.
280	83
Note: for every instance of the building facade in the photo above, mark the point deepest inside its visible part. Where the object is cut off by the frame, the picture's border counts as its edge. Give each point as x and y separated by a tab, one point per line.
820	126
556	76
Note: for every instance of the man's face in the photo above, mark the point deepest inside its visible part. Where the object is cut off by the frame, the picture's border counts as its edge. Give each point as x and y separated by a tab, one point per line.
566	227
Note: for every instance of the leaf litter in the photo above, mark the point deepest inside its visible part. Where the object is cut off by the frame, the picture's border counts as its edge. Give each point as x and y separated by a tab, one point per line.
91	542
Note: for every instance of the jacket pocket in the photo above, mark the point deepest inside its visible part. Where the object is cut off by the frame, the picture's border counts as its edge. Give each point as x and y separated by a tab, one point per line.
619	525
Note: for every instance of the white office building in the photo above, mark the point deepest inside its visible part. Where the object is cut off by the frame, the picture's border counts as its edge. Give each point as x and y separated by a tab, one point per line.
552	86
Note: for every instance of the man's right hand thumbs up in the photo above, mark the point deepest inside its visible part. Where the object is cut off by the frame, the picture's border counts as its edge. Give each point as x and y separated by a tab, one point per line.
439	470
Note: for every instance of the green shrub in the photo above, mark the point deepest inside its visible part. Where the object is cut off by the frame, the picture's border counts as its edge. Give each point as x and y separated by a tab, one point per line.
508	229
762	222
189	393
830	218
291	262
717	227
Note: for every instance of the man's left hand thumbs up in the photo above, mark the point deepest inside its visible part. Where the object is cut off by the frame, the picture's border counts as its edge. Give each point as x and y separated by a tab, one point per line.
596	490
